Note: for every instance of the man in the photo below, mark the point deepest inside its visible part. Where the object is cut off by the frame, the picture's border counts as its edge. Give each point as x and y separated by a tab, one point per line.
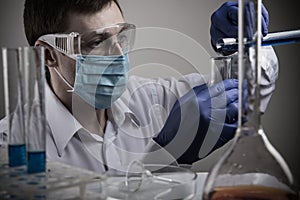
99	119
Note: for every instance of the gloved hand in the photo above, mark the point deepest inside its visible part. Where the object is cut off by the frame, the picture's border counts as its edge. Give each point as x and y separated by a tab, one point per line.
224	23
202	110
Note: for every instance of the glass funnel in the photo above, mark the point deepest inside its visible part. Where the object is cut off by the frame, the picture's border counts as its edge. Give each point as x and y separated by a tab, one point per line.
251	168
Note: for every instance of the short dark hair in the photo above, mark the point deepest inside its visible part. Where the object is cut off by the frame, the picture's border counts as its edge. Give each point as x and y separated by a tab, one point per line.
42	17
50	16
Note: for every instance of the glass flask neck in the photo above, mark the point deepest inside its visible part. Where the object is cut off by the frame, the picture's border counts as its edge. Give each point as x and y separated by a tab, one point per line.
249	69
249	95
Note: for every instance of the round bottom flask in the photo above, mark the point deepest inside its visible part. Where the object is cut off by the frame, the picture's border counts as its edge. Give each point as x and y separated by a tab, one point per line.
251	169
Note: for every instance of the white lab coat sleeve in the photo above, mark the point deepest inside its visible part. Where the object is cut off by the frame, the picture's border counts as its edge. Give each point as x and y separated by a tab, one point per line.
157	97
155	154
270	67
164	93
269	74
170	90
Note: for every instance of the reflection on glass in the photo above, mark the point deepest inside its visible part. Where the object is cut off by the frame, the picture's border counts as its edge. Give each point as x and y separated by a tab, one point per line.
34	108
251	168
145	181
13	92
220	69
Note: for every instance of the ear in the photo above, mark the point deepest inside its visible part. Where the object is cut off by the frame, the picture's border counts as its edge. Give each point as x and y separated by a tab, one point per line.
50	55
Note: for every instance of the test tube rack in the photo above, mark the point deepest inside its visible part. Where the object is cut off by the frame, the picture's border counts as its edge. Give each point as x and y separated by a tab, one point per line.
60	181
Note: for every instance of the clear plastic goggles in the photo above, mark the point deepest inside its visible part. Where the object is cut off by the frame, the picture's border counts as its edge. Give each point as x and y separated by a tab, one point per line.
103	41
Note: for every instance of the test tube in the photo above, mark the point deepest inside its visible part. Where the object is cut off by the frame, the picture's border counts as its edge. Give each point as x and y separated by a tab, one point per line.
13	92
35	120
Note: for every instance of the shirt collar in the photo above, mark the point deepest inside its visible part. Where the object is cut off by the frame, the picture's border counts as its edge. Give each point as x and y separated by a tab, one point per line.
59	117
62	124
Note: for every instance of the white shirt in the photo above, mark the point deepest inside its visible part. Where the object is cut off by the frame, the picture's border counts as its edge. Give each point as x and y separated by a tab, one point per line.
133	120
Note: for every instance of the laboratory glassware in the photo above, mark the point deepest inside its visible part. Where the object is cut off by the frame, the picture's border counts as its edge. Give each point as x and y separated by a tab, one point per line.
13	92
251	168
220	69
61	181
150	181
35	119
271	39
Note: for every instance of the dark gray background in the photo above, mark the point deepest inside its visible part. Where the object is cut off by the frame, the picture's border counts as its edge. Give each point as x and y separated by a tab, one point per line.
192	17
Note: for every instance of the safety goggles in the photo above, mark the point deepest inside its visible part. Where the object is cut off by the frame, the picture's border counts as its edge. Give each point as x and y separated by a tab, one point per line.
103	41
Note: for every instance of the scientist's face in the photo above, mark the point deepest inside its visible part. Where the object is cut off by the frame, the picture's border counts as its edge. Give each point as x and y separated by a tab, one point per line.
78	22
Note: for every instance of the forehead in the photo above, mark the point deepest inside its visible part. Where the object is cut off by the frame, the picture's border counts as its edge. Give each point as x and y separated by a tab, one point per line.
109	15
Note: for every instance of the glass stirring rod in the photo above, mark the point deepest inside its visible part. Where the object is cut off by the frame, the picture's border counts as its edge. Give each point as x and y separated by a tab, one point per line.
271	39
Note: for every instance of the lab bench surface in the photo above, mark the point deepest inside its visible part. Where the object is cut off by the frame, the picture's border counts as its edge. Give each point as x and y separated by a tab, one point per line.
60	181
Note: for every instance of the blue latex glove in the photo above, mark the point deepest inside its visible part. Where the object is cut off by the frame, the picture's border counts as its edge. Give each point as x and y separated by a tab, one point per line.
201	110
224	23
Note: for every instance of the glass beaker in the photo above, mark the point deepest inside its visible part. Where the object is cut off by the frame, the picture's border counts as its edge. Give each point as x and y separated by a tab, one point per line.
220	69
34	107
251	168
13	91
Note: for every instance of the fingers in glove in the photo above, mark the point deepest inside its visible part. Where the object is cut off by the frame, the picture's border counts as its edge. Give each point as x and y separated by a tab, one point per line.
217	33
221	102
232	14
222	24
265	20
249	20
219	88
232	113
228	115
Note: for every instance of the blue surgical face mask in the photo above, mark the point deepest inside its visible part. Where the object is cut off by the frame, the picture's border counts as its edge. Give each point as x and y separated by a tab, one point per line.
100	80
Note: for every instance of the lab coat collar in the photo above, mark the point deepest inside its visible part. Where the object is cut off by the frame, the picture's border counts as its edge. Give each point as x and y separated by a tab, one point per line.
62	124
59	118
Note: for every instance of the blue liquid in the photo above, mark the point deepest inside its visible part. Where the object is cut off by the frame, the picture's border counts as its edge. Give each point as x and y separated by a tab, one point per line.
36	162
16	154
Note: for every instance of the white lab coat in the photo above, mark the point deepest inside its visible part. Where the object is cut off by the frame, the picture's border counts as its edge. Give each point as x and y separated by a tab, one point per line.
133	120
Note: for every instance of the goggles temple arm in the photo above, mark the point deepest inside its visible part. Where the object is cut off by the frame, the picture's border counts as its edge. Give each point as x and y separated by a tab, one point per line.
71	45
65	43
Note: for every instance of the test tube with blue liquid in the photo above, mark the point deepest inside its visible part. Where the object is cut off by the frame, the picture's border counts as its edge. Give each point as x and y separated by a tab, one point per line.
14	110
35	120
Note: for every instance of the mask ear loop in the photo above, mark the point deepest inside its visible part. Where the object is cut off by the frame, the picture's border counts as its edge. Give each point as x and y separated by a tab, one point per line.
64	80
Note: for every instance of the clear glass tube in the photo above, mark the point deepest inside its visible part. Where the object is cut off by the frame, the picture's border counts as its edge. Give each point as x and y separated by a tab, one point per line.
13	92
220	69
251	168
35	119
272	39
